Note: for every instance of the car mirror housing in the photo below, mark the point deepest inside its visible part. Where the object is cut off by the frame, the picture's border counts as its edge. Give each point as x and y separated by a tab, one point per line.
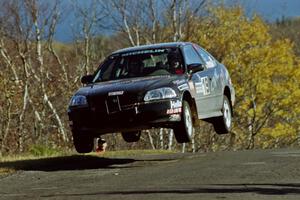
195	67
87	79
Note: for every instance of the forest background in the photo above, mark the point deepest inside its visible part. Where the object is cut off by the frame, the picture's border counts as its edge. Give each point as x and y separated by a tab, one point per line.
39	74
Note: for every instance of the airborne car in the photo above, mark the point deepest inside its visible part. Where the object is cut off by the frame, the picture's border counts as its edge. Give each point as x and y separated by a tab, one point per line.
169	85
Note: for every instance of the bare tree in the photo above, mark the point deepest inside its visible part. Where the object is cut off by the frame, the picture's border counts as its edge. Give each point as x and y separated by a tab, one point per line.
90	19
24	30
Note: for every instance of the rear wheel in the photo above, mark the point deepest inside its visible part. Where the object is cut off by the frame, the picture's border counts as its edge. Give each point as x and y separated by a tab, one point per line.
83	143
222	124
132	136
183	131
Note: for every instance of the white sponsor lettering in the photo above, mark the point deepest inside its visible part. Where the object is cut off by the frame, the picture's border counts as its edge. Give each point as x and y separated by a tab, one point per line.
174	111
115	93
144	52
183	87
178	82
203	86
175	104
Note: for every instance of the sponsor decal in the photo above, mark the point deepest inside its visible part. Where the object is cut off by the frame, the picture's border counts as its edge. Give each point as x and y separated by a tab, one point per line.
205	83
184	86
178	82
136	110
203	86
191	85
199	87
213	84
174	110
115	93
144	52
175	104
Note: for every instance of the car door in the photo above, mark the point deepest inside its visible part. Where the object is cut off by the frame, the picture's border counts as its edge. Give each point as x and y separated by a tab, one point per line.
202	83
213	71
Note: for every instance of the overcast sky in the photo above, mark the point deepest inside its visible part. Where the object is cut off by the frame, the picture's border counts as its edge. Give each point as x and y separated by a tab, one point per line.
270	10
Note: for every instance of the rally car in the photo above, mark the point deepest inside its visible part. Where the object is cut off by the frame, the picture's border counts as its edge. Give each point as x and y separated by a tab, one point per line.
169	85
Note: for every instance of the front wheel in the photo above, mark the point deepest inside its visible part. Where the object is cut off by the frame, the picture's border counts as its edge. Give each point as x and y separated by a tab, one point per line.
183	131
222	125
83	143
132	136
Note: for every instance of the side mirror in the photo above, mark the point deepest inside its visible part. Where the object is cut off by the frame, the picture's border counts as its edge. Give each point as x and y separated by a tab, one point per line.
87	79
195	67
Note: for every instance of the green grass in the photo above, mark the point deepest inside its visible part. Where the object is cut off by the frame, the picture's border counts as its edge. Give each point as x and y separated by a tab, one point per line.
41	159
6	171
41	150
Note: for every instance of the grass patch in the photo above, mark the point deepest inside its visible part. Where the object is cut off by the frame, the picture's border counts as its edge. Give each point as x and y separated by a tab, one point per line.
41	150
6	171
40	154
45	160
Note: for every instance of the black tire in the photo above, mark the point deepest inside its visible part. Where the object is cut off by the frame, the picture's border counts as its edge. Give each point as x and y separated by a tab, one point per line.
183	131
83	143
132	136
222	125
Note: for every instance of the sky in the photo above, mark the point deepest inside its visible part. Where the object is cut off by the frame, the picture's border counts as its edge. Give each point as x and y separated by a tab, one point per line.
270	10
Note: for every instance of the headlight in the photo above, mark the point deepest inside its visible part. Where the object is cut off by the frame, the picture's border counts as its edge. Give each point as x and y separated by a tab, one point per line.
78	100
161	93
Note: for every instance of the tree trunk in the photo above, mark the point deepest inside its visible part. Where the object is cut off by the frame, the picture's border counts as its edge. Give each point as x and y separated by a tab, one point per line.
193	142
22	117
8	61
7	127
171	137
42	73
154	20
161	138
174	20
183	148
150	139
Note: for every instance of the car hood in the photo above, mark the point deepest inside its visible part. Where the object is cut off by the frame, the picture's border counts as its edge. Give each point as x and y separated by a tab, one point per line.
137	86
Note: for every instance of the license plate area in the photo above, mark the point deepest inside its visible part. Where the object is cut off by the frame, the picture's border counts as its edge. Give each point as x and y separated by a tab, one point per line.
112	104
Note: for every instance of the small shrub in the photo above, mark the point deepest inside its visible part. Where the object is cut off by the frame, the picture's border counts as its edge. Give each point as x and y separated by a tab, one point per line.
41	150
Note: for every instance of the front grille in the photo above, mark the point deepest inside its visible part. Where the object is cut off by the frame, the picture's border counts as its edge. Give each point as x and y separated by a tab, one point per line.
111	104
128	99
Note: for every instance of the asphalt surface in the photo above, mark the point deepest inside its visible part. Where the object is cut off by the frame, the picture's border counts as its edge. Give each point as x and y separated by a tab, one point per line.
257	174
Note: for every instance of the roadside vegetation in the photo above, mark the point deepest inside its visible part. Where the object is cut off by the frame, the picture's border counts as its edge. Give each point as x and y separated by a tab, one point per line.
38	74
62	160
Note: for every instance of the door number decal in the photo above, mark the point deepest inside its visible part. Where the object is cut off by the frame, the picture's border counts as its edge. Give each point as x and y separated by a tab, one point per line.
203	86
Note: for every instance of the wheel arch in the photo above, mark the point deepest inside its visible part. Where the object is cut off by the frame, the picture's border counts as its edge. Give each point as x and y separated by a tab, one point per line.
227	93
188	97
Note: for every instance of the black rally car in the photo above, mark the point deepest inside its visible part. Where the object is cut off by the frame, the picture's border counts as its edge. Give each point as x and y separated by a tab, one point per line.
168	85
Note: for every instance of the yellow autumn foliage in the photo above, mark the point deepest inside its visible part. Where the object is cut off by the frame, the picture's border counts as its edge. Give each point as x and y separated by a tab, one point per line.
265	73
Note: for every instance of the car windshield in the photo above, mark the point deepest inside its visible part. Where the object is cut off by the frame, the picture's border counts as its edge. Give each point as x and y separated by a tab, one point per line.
149	62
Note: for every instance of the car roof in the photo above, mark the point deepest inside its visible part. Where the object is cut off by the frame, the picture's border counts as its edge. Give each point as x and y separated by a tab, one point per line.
152	46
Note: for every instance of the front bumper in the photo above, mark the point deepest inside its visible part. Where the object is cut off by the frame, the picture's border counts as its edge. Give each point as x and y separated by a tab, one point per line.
162	113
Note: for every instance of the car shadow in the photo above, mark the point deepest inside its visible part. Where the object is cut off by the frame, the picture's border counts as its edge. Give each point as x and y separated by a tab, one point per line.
74	162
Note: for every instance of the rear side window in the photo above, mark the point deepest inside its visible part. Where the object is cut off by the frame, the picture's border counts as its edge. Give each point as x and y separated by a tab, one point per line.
191	57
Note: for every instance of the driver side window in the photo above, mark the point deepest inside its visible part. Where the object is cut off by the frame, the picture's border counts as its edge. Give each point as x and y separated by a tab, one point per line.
209	61
191	57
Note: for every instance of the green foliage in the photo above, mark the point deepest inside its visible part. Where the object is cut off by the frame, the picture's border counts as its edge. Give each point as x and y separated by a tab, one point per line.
41	150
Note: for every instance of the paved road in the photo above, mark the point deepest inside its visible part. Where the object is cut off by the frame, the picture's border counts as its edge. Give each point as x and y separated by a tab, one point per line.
258	174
